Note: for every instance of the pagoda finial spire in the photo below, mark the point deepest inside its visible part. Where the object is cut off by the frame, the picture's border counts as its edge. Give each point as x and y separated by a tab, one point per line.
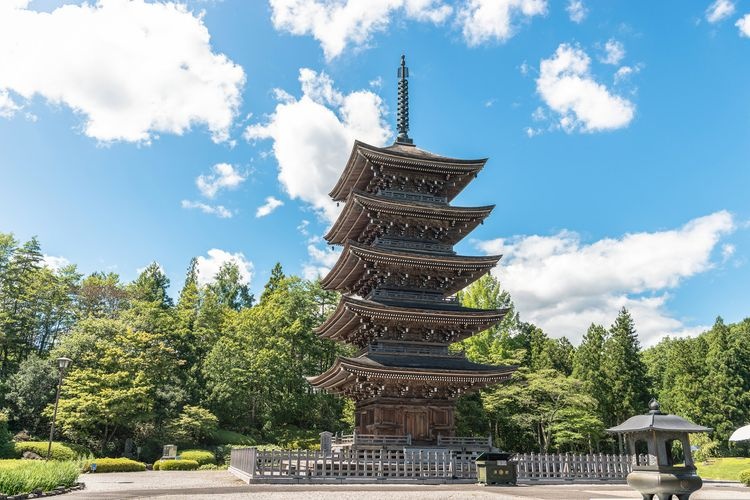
402	116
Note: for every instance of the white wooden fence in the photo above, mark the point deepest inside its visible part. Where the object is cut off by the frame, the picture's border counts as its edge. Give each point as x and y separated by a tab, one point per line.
253	464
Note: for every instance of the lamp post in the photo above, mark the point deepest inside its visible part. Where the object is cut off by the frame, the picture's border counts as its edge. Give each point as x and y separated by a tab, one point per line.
62	365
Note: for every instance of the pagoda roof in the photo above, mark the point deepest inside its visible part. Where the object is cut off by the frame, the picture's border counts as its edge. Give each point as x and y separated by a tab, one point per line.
357	174
459	270
356	216
350	310
409	367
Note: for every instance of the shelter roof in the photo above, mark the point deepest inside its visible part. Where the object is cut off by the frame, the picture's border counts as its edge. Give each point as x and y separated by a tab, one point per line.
655	420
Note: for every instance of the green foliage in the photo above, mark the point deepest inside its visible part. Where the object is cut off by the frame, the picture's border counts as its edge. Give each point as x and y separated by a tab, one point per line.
745	477
7	450
223	436
203	457
30	390
114	465
25	476
211	467
706	448
176	465
193	425
59	450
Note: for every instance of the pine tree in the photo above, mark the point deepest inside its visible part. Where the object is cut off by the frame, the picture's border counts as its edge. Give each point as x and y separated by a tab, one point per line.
151	286
229	288
588	365
627	381
277	276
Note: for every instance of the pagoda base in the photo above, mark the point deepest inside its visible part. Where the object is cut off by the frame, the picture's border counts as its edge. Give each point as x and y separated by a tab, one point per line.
422	420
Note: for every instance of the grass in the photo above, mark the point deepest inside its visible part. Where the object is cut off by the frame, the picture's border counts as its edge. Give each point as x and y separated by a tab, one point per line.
724	468
25	476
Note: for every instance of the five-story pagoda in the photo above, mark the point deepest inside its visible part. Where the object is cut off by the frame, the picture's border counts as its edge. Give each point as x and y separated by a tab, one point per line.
398	274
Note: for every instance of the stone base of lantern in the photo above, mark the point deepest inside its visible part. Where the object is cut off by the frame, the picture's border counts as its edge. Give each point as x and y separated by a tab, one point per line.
665	483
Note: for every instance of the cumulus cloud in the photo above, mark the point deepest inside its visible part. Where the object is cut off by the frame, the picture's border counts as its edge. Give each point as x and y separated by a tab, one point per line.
8	107
566	85
313	136
208	266
133	69
224	176
614	51
218	210
55	263
321	260
488	20
563	284
337	24
576	11
743	24
718	10
269	206
624	72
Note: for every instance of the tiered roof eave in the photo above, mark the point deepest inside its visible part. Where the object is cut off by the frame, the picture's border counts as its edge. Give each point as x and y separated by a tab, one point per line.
357	173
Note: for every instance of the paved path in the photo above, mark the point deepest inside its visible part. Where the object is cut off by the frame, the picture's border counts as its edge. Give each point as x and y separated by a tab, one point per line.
216	485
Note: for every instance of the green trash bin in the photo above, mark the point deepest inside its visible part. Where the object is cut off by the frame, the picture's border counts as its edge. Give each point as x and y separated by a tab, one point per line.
496	468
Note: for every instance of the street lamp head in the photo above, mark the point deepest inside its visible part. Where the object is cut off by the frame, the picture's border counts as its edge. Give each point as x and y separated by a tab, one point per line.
63	363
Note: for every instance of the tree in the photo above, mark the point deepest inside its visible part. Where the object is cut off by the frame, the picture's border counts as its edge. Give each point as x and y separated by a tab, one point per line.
277	276
588	366
30	390
151	286
625	371
549	408
229	288
194	425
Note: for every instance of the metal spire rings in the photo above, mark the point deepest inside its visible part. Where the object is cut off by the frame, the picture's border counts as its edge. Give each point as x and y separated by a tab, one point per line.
402	116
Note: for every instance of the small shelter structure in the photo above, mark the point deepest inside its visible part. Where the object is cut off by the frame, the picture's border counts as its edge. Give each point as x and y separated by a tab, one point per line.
654	474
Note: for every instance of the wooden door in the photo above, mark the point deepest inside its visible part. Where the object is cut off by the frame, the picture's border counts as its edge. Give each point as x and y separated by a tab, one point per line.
416	425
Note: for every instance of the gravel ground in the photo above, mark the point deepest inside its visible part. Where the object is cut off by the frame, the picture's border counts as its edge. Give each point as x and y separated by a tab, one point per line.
222	485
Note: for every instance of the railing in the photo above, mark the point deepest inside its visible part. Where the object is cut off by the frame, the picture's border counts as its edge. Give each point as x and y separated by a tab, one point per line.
252	464
464	441
432	298
370	440
571	467
403	195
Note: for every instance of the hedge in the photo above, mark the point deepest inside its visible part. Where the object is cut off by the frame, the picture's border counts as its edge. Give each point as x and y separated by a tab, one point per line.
745	477
203	457
175	465
59	451
114	465
25	476
222	436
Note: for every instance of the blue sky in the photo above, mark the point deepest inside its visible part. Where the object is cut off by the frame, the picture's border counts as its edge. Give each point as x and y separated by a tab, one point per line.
617	133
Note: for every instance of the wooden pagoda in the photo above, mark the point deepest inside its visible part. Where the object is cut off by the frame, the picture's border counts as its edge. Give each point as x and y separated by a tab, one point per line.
398	274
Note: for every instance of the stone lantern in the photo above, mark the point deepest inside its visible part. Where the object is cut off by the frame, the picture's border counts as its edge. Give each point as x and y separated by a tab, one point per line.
650	439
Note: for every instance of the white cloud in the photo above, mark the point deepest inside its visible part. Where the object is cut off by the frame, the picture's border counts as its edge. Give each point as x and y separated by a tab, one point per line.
576	10
720	9
337	24
218	210
614	51
624	72
563	285
321	261
269	206
727	250
224	176
133	69
487	20
313	136
54	263
743	24
209	266
566	85
8	107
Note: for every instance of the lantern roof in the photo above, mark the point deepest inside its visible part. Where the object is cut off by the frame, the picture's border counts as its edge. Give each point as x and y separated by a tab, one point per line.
655	420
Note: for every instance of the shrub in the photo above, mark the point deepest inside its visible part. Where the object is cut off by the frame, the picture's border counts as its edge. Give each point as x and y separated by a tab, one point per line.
177	465
25	476
59	450
6	444
156	465
194	425
203	457
222	436
745	477
210	467
115	465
